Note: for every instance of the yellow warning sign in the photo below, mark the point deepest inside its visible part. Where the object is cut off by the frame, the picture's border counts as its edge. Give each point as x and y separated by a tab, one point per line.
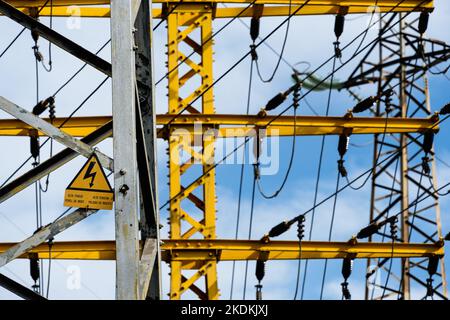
90	188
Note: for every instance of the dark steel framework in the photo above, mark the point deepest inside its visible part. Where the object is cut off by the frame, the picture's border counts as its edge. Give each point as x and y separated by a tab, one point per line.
401	60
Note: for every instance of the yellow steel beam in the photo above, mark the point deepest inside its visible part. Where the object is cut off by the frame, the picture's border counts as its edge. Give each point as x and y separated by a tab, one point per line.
100	8
228	125
190	252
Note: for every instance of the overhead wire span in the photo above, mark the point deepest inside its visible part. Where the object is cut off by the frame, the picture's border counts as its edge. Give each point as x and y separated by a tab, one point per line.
241	179
250	229
367	171
319	169
285	110
60	126
270	34
270	78
21	32
330	232
300	236
295	103
251	51
206	41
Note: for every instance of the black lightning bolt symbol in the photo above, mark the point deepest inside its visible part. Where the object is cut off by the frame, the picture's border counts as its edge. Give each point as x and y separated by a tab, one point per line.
90	174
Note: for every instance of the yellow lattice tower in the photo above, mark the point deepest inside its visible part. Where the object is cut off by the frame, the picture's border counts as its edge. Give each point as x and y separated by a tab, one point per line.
182	25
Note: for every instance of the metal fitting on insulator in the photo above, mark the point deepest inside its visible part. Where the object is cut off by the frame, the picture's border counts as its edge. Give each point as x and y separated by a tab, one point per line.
34	145
279	229
256	171
421	50
430	290
35	35
37	54
341	168
343	144
254	29
425	165
433	263
301	227
445	109
258	291
253	52
39	108
347	267
296	97
393	226
337	49
345	291
388	101
52	110
34	268
339	25
275	101
260	271
364	105
428	139
368	231
423	22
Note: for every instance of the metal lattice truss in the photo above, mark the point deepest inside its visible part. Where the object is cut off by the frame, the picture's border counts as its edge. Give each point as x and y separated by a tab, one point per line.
193	204
400	60
193	250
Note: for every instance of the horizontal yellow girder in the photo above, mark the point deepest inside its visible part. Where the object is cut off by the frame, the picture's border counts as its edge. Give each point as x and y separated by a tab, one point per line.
229	125
192	251
100	8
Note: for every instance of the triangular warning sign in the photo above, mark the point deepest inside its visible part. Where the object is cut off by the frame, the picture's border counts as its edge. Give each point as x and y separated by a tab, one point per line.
90	188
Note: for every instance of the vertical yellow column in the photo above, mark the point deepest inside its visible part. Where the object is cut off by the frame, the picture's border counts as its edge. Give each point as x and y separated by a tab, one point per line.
190	79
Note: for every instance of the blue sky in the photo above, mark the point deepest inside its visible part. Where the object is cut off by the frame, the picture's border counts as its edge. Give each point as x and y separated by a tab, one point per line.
310	39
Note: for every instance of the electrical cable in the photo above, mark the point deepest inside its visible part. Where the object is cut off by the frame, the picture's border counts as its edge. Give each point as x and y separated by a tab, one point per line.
235	64
319	170
330	232
343	64
286	176
56	92
250	227
279	115
60	126
300	236
50	245
80	69
389	270
367	171
266	44
241	178
168	14
12	42
20	33
397	162
206	41
367	30
378	156
265	38
281	53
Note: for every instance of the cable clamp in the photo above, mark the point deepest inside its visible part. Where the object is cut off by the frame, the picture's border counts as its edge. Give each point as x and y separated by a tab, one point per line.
253	52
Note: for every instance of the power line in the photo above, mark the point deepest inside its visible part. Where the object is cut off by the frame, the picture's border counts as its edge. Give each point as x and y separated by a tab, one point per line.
206	41
237	62
281	53
285	110
250	229
319	169
367	171
241	178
